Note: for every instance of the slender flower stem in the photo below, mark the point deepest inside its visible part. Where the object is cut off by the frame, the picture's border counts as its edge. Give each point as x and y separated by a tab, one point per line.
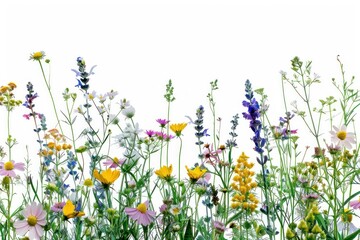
47	83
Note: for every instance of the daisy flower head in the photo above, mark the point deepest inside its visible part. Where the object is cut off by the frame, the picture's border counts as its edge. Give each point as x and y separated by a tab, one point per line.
141	214
35	220
177	128
341	137
175	209
7	168
37	56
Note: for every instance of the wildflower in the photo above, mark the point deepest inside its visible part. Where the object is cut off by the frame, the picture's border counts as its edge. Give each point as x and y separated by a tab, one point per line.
81	75
7	168
69	210
219	227
162	122
211	156
129	112
177	128
345	223
342	138
88	183
255	124
58	207
355	204
243	185
195	174
107	177
35	220
114	162
124	103
37	56
164	172
150	133
175	210
141	214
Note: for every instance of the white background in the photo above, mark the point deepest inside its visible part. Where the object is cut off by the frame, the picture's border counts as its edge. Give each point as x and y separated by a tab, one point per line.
139	46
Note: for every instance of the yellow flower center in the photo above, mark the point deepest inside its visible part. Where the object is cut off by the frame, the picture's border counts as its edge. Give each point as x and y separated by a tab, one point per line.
116	160
32	220
176	210
142	207
341	135
37	55
9	166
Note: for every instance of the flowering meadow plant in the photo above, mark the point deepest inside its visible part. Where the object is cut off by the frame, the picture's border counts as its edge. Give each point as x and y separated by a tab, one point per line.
99	175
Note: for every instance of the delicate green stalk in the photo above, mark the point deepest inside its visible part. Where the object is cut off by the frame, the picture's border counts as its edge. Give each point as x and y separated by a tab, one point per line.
47	83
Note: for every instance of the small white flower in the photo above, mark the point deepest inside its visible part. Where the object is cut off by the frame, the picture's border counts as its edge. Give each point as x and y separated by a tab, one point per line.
124	103
112	94
91	96
129	112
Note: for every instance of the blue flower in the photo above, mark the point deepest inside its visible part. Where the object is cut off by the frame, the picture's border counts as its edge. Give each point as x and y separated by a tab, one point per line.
253	114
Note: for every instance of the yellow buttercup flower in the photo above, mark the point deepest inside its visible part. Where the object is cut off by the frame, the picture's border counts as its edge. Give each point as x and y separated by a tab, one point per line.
107	177
177	128
164	172
69	211
196	173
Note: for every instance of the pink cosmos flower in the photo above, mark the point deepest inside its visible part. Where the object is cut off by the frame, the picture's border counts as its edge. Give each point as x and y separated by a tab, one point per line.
141	214
342	138
35	219
355	204
58	207
113	163
7	168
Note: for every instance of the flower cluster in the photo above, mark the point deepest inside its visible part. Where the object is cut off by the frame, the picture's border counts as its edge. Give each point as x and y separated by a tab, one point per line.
97	174
244	185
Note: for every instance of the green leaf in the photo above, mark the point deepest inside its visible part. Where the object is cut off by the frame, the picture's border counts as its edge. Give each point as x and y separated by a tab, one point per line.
188	232
353	235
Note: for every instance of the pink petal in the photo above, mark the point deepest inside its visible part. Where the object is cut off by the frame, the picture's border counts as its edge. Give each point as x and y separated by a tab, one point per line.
39	230
33	234
19	166
22	227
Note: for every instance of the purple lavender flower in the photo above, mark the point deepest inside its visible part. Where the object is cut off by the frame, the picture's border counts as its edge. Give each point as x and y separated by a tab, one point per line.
253	114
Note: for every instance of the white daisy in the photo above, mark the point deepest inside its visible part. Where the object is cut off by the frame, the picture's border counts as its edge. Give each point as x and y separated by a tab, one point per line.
342	138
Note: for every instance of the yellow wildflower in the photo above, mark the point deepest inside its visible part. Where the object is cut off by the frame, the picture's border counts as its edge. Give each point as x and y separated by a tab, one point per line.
37	56
164	172
196	173
177	128
107	177
70	212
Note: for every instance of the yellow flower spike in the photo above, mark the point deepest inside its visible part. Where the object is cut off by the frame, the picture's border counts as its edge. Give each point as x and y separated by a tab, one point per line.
69	211
107	177
195	174
177	128
164	172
